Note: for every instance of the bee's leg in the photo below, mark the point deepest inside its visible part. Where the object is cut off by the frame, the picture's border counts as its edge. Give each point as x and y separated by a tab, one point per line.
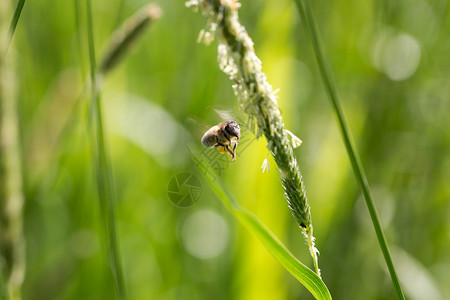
234	150
232	153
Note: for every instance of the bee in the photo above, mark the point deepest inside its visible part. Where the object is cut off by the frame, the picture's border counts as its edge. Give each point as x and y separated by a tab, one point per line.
223	136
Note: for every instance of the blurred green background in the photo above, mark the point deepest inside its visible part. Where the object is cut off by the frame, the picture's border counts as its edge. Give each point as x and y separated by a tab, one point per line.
392	67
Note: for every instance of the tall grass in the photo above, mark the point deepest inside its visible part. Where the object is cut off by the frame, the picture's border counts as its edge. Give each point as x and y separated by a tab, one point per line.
118	45
105	183
12	240
330	86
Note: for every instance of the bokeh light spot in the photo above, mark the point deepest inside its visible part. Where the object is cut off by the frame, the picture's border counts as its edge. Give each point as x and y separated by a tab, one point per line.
205	234
396	55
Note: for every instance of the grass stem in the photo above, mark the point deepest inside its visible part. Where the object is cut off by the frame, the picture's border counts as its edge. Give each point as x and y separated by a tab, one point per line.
118	45
12	239
103	169
330	86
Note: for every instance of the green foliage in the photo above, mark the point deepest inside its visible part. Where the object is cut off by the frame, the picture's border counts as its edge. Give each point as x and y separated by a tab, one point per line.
389	61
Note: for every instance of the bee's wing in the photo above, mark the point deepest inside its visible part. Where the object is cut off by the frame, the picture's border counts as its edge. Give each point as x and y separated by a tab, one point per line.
196	126
225	115
192	122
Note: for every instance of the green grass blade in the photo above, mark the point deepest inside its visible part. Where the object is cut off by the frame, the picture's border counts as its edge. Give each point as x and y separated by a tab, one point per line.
15	20
103	170
358	170
302	273
12	196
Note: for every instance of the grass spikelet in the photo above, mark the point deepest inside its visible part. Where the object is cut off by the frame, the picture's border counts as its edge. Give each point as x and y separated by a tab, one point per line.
237	58
123	37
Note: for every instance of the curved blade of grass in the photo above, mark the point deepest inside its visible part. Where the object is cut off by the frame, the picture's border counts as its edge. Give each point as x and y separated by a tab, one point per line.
302	273
103	170
330	85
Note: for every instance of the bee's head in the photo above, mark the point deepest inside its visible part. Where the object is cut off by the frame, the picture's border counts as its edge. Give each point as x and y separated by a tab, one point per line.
233	129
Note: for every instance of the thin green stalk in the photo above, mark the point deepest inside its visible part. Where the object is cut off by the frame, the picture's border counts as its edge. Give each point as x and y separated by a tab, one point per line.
15	20
103	170
327	77
237	59
12	239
